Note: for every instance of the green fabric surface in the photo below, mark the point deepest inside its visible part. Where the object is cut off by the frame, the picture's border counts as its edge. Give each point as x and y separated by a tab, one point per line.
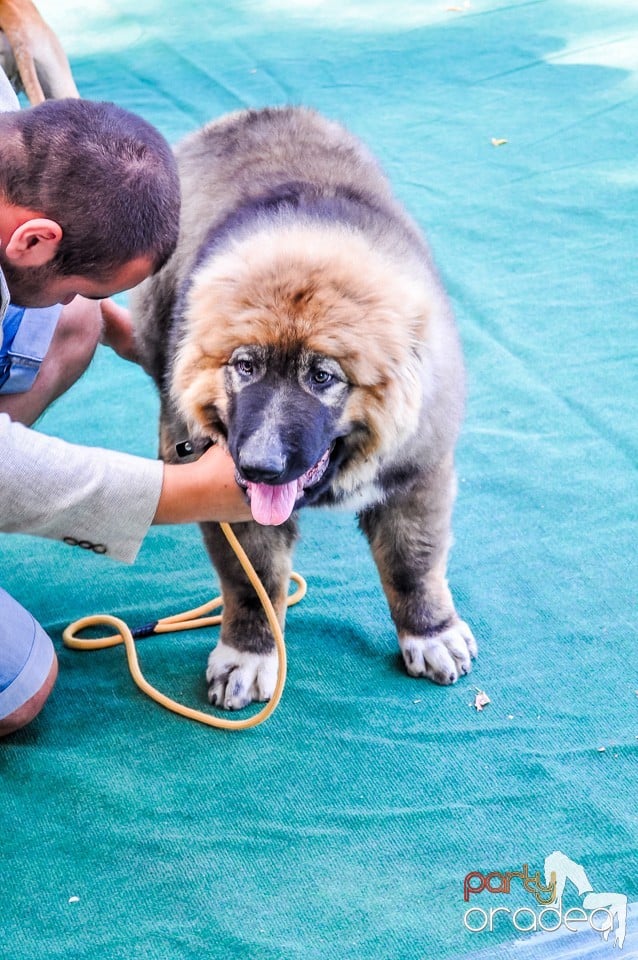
344	826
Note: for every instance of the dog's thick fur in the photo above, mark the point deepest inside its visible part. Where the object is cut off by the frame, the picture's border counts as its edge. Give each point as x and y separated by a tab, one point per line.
301	323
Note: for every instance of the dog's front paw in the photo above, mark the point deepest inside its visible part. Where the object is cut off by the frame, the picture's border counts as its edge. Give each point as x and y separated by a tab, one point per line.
442	657
236	678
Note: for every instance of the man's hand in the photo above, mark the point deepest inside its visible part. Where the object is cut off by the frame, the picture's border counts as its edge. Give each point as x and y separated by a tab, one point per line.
32	55
202	490
117	330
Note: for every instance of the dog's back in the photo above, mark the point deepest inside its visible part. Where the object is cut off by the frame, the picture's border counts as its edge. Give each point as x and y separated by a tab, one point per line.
252	162
247	156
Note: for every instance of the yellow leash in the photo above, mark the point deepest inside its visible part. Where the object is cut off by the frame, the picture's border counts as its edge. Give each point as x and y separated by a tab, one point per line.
189	620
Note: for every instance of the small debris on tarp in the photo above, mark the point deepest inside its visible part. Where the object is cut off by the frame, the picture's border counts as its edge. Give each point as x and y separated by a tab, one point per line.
481	699
498	142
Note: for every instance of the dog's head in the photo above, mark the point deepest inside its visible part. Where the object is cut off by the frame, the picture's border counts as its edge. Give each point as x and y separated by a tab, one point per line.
284	425
304	350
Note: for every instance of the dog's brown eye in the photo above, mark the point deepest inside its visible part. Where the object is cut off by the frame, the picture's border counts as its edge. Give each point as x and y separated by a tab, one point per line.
321	377
245	367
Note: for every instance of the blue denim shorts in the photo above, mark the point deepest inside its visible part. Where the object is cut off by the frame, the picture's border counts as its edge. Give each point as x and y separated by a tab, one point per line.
26	655
26	336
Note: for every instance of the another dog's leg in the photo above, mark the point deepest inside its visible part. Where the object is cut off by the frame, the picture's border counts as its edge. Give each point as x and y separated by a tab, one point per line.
32	54
410	537
243	666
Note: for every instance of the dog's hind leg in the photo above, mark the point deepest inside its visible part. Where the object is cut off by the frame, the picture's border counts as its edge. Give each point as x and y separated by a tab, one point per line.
409	536
243	666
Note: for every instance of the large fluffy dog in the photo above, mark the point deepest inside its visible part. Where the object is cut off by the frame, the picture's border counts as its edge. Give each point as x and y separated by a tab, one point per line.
301	323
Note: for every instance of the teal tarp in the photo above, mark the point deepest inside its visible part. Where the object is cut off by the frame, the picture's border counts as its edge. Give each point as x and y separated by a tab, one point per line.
346	825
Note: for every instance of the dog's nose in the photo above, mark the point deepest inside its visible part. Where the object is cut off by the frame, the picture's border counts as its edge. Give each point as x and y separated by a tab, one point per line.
265	468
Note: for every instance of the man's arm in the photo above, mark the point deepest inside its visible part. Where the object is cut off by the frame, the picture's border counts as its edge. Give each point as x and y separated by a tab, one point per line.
105	501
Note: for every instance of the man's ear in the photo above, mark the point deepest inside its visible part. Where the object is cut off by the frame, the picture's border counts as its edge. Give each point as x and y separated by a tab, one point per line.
34	242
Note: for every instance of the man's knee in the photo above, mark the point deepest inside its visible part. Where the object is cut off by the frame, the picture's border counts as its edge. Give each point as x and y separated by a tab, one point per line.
28	666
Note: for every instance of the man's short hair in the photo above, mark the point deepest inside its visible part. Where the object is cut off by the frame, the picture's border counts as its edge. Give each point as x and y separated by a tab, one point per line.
104	174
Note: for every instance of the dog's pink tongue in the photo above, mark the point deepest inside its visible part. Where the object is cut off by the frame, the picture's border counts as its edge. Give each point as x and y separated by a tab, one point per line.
272	505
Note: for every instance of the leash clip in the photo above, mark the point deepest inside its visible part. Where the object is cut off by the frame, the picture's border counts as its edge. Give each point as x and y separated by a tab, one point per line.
186	448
